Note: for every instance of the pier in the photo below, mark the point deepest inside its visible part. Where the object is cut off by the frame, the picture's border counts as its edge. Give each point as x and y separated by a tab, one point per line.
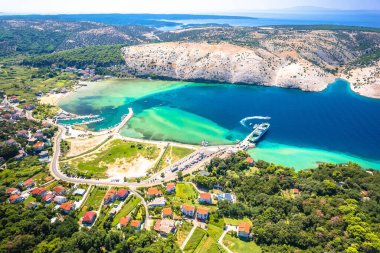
249	141
123	121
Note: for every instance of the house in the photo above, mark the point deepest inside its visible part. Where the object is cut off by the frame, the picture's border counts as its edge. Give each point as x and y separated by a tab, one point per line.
60	199
164	226
79	192
31	205
166	212
22	133
89	217
39	146
15	199
29	107
32	141
229	197
250	161
110	196
124	221
59	190
204	173
11	142
28	183
296	191
136	224
48	197
13	99
170	187
188	210
202	213
44	154
157	202
66	207
122	194
38	135
21	154
205	197
244	230
39	191
153	192
12	191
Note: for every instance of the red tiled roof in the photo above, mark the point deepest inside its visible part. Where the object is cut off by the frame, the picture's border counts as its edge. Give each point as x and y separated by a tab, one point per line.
170	186
296	191
47	197
13	198
110	193
59	189
88	216
188	207
28	182
205	195
202	210
167	211
125	220
38	191
249	159
135	223
67	206
154	191
244	227
122	192
10	190
38	144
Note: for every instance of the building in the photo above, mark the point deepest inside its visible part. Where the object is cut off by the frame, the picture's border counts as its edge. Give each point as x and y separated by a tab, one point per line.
124	221
110	196
59	190
44	154
31	204
66	207
157	202
170	187
32	141
12	191
296	191
205	198
79	192
39	191
153	192
60	199
89	218
229	197
28	183
29	107
202	213
244	230
136	224
39	146
164	226
122	194
15	199
48	197
11	142
38	135
250	161
188	210
22	133
166	212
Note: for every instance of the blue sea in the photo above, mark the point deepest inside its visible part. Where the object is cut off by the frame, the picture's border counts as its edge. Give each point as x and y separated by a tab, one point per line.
333	125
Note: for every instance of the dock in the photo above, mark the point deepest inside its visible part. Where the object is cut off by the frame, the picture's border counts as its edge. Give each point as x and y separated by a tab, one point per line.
124	121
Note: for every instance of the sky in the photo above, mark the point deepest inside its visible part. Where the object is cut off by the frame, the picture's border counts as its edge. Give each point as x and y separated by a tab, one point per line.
172	6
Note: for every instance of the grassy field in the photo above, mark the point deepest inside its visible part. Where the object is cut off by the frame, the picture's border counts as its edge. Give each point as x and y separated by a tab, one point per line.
185	193
240	246
172	155
195	240
210	242
130	204
95	165
94	200
236	222
25	81
182	232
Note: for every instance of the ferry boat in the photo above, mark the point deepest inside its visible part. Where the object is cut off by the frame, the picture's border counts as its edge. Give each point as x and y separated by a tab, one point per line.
258	131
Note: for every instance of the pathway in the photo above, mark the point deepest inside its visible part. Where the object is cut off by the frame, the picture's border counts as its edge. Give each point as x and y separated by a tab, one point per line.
195	225
220	240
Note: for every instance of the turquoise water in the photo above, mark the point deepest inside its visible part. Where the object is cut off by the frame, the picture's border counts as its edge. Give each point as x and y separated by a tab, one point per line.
335	125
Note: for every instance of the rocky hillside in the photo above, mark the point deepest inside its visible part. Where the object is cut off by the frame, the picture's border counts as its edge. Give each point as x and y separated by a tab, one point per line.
224	63
305	59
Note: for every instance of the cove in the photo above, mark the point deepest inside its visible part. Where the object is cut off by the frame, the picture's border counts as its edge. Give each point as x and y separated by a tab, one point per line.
335	121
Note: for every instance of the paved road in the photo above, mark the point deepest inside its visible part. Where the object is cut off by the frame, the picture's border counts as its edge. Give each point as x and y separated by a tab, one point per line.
220	240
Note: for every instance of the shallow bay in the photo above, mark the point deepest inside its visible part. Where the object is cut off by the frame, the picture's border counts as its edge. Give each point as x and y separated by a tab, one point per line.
335	125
